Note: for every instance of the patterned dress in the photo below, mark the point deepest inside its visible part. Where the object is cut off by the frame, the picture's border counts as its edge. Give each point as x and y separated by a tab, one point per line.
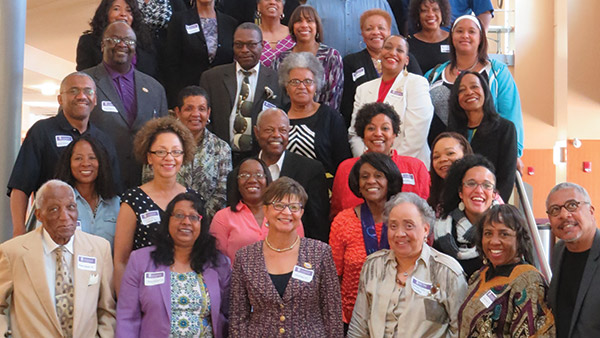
510	304
190	306
270	54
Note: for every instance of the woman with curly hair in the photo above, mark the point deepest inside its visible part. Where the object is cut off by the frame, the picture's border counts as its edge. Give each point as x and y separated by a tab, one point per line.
164	144
430	44
89	51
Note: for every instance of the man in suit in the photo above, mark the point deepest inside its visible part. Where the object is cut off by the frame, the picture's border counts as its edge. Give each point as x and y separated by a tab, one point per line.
573	297
46	140
56	280
127	98
272	132
239	91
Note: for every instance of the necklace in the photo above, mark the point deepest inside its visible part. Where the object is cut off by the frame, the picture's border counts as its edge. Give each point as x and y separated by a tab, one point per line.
458	70
284	249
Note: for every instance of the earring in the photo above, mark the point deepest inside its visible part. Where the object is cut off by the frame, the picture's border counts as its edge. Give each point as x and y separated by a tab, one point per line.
317	36
485	261
405	71
461	206
258	14
266	224
282	16
208	121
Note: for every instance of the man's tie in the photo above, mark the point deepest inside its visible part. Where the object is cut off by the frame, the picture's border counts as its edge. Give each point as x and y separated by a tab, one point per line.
64	292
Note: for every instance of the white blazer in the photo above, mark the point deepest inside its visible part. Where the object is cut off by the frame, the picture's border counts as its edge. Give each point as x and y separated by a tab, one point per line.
410	98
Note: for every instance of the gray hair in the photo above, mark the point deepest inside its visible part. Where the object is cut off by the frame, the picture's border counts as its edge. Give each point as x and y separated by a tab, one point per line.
43	190
301	60
425	210
64	80
262	113
569	185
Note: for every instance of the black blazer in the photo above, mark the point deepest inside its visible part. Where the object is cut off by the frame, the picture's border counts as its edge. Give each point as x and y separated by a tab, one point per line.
187	54
244	10
311	175
352	63
89	54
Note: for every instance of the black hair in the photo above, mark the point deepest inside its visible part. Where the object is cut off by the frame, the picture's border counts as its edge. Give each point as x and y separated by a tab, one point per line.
100	21
192	91
459	120
414	12
368	111
381	163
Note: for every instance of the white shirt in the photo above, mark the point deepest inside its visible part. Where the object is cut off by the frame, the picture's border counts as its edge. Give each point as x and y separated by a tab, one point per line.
275	168
253	78
50	260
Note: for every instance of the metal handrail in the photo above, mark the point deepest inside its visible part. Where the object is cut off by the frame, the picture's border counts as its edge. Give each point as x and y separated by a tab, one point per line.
538	250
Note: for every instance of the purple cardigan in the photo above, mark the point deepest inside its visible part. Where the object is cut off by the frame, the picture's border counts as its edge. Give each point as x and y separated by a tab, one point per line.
145	311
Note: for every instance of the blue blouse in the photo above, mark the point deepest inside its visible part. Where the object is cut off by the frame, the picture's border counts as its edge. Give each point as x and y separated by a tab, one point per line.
104	222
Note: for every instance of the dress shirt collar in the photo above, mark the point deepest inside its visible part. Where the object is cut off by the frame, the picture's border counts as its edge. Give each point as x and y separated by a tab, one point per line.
423	258
254	70
79	197
276	167
50	245
115	74
64	124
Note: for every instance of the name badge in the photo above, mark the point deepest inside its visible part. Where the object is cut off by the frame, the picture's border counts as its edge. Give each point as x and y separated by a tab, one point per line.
86	263
78	225
420	287
408	179
268	105
305	275
150	217
63	140
358	73
445	48
154	278
191	29
108	106
396	92
488	298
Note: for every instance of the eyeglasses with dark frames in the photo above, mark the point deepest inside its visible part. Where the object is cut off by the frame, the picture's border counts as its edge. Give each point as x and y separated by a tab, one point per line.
570	206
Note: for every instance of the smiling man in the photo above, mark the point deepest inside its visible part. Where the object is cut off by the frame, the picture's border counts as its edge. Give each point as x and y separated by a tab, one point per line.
575	262
46	140
239	91
56	280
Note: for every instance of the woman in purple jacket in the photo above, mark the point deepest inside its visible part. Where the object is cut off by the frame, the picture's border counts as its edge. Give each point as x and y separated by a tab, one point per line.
180	287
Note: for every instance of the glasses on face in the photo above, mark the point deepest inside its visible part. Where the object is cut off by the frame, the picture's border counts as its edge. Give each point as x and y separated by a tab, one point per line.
250	45
294	207
192	218
570	206
246	176
87	91
296	82
164	153
473	185
115	41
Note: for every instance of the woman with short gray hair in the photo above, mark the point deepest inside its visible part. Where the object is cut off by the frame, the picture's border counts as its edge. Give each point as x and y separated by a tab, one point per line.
410	290
318	131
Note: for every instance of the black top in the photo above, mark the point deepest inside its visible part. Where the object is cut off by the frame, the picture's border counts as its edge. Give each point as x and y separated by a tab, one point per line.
280	282
427	54
41	150
571	272
243	10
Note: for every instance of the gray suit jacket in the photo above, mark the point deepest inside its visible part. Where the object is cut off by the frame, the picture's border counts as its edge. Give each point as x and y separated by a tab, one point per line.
221	84
584	322
151	103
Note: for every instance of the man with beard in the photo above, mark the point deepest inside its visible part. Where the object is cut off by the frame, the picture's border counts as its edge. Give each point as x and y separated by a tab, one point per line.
46	140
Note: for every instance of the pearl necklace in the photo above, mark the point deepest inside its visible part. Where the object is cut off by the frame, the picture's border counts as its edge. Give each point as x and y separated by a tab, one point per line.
284	249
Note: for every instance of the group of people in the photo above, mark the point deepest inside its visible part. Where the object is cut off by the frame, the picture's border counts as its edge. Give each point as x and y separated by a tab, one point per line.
288	191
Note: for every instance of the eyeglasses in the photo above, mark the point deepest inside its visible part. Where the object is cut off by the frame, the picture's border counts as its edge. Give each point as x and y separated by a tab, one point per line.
250	45
246	176
87	91
164	153
296	82
294	207
192	218
115	41
473	185
570	206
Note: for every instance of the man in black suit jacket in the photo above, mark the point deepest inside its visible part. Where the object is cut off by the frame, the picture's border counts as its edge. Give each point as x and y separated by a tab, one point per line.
575	262
122	110
272	132
224	85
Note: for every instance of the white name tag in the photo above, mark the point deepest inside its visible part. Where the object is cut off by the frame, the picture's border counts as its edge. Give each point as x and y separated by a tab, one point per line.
396	92
154	278
268	105
420	287
191	29
488	298
150	217
408	179
303	274
63	140
445	48
108	106
86	263
358	73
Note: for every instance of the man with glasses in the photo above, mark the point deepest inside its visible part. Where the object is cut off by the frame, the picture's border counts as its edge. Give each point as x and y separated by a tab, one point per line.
46	139
127	98
573	294
239	91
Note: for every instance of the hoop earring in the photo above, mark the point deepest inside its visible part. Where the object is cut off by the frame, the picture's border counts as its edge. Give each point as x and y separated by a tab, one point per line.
282	16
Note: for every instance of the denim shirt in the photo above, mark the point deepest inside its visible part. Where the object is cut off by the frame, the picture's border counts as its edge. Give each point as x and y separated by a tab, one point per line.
104	223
